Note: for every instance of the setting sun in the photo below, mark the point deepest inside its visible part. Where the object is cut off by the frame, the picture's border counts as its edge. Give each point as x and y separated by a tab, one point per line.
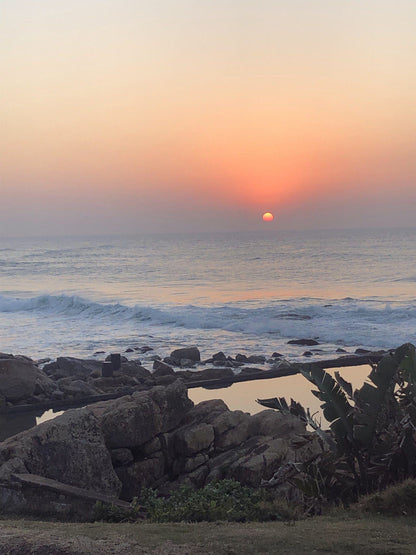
268	217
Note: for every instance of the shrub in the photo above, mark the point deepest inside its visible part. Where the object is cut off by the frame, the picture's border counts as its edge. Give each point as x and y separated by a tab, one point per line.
395	500
225	500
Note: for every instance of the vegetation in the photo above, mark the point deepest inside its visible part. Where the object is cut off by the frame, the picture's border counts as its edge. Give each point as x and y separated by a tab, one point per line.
342	533
396	500
372	438
225	500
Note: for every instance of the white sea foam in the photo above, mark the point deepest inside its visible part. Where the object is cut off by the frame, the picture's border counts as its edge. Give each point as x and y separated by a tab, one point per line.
345	321
233	292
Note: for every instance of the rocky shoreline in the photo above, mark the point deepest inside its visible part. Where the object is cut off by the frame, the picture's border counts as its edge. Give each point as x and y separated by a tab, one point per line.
28	385
138	428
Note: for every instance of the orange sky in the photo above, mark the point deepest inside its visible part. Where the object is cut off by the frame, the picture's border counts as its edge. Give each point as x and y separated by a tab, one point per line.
193	115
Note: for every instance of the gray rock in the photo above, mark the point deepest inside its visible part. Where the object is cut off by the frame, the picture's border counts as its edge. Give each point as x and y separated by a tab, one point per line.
186	363
162	369
192	440
139	475
71	367
121	457
231	429
76	388
134	369
190	353
304	342
18	378
219	357
256	359
134	420
69	448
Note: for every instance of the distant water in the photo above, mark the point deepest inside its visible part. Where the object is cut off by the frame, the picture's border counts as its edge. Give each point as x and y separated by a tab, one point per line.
248	292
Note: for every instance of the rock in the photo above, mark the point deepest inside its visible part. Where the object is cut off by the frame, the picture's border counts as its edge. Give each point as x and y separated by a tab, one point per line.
307	354
207	374
194	439
231	429
121	457
145	349
134	420
219	357
18	377
134	369
140	474
164	380
241	358
186	363
361	351
223	363
70	448
65	367
76	388
276	355
185	466
43	360
162	369
110	359
44	385
206	411
171	361
339	350
256	359
270	422
304	342
129	350
115	383
189	353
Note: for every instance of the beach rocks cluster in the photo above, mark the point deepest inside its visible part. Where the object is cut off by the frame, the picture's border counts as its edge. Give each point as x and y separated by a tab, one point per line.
153	438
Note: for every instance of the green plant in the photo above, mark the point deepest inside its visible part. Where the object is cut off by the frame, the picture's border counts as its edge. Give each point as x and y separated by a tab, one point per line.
226	500
396	500
372	439
108	512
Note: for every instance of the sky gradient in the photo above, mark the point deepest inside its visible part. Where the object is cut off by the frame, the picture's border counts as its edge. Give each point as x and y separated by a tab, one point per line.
194	115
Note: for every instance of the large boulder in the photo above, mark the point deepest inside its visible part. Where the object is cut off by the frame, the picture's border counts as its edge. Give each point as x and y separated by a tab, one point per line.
65	367
134	420
186	353
69	449
18	377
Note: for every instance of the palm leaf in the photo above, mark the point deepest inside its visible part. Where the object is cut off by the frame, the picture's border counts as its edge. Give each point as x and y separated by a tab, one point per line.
335	407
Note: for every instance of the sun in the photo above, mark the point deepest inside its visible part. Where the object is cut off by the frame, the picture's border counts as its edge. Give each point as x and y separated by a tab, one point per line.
268	217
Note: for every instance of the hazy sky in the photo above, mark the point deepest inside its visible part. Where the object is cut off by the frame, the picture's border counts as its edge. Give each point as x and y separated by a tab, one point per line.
192	115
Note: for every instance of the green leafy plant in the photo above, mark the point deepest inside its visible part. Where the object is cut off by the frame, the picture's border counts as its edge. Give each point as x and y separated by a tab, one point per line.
225	500
372	438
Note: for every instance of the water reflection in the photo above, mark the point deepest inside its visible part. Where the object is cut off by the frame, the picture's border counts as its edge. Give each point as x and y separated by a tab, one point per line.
12	424
239	396
242	396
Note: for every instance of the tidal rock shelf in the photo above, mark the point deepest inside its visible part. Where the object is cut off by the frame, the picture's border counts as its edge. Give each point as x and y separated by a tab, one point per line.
70	382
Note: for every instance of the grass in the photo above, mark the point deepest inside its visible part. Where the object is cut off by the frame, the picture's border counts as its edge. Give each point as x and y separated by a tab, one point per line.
341	533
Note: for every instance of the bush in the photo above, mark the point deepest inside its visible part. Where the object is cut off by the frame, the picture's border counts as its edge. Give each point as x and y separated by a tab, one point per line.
393	501
225	500
108	512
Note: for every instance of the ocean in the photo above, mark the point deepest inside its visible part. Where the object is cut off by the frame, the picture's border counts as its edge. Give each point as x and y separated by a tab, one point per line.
237	292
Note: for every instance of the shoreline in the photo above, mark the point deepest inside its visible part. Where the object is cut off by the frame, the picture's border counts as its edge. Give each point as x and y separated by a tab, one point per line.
202	378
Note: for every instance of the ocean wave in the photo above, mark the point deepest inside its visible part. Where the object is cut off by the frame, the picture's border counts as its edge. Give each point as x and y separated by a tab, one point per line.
342	321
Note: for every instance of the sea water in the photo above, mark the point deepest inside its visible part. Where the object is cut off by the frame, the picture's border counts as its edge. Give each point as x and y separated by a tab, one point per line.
236	292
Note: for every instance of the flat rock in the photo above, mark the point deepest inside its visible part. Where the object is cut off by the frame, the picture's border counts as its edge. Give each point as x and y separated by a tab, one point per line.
305	342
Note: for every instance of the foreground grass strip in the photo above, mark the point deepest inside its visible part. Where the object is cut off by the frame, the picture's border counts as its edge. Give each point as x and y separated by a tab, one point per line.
348	534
